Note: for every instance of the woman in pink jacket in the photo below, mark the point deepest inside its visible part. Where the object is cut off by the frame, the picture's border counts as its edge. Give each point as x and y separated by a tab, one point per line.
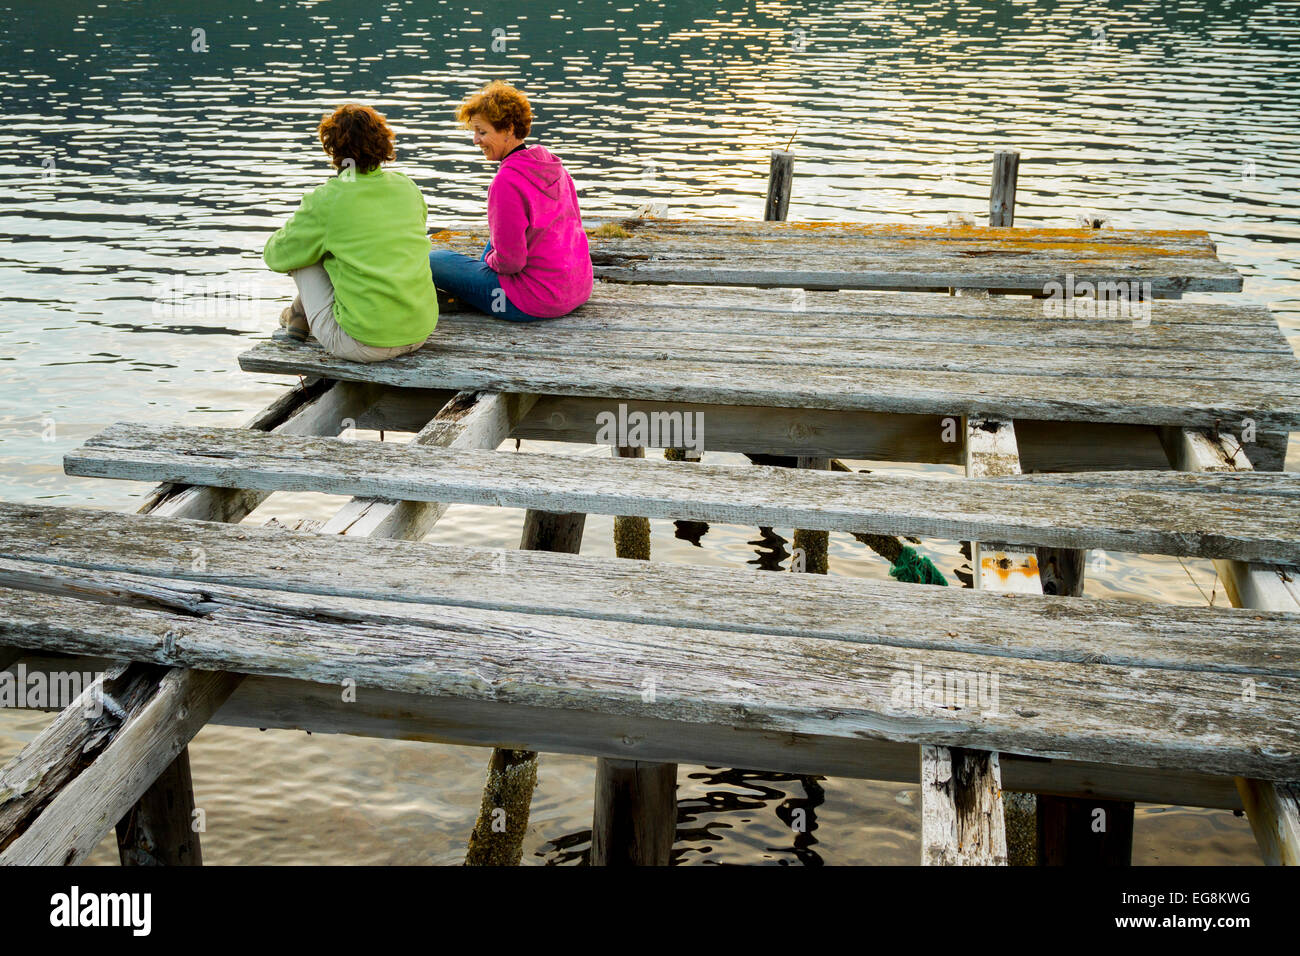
537	264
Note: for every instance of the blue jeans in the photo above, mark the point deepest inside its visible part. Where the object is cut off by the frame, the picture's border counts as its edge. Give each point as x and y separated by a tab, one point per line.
473	282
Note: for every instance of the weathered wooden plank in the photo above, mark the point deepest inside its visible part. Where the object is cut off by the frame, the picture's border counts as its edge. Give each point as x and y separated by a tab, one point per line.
1141	512
88	805
1273	807
683	305
512	773
1134	716
1105	631
157	828
834	238
962	809
284	703
1209	366
893	256
1161	401
1247	329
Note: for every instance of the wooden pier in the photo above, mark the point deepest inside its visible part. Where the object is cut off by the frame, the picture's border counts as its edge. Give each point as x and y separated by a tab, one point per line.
1162	432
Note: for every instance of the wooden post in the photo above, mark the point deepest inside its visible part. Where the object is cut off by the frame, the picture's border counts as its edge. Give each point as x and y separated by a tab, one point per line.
498	835
780	178
158	830
636	813
635	820
1075	832
1002	197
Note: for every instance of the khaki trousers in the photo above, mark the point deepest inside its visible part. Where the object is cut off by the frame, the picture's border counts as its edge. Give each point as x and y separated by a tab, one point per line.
316	293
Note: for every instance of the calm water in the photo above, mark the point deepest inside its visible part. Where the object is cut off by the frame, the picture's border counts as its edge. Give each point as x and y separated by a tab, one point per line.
143	164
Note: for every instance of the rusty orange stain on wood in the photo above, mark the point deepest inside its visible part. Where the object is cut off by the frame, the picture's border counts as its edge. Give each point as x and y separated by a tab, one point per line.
1004	567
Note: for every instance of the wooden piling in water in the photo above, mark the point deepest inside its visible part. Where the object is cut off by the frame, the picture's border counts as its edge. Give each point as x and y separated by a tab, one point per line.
635	820
780	179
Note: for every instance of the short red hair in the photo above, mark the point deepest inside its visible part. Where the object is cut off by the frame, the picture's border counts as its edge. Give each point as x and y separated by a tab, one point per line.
501	105
357	133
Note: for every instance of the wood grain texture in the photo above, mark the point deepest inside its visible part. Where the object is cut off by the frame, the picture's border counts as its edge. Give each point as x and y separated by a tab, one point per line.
636	813
300	705
961	808
853	256
1132	715
1245	517
1101	631
946	385
156	830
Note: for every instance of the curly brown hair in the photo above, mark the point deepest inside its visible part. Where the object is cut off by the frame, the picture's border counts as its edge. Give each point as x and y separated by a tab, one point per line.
501	105
357	133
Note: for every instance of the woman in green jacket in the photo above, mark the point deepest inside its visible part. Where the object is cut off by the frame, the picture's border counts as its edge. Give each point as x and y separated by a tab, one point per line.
358	249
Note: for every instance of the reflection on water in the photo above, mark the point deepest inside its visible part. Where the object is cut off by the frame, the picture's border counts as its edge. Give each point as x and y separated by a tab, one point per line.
146	155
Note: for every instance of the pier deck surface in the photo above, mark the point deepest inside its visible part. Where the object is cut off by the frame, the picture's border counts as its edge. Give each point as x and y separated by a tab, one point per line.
1193	364
548	651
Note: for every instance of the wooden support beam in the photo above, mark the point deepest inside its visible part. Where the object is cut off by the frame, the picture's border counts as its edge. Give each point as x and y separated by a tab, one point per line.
157	829
469	420
1084	832
1074	831
1273	807
1002	197
58	818
813	545
631	532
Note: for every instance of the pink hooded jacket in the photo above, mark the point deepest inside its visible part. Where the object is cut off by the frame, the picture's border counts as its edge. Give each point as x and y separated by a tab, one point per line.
539	248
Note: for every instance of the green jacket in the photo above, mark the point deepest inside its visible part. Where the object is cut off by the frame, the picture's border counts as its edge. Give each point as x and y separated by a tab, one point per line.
368	231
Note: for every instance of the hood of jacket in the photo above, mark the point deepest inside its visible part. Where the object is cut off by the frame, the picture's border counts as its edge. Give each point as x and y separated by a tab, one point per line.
538	167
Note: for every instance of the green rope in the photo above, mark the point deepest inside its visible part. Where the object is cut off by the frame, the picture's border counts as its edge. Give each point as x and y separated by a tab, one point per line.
913	568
